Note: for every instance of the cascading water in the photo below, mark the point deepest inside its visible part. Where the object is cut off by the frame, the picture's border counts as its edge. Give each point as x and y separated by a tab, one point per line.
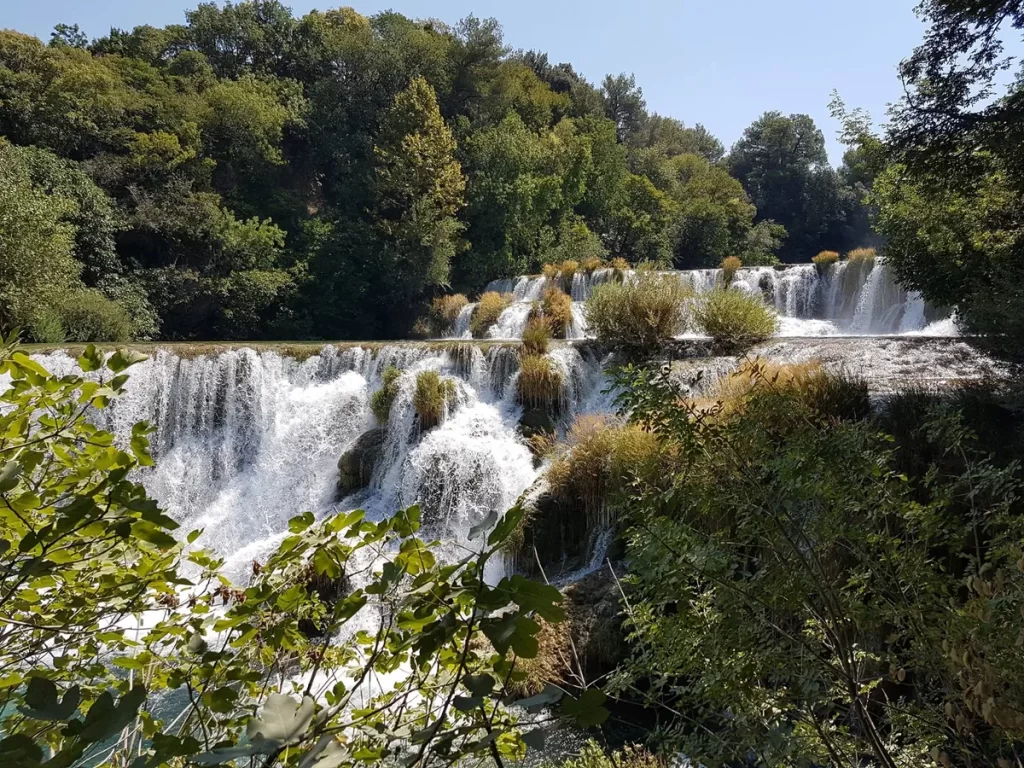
844	299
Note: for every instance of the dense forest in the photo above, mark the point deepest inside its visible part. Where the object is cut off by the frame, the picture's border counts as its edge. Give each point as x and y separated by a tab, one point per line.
249	174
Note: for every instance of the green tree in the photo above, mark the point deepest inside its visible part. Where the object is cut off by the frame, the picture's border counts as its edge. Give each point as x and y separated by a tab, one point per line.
624	105
639	225
418	191
782	164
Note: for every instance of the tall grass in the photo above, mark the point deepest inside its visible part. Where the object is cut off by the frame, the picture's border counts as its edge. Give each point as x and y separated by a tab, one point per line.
619	268
591	264
825	259
641	313
730	265
862	256
537	335
600	456
382	399
432	398
735	320
539	383
831	394
556	306
486	312
445	310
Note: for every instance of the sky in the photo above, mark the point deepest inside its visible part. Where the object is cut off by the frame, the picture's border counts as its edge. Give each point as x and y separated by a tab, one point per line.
718	62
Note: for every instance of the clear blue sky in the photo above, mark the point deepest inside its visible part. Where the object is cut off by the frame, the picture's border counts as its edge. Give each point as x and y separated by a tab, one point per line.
720	62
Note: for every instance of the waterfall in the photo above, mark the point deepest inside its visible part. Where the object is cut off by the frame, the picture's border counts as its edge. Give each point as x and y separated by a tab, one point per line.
843	299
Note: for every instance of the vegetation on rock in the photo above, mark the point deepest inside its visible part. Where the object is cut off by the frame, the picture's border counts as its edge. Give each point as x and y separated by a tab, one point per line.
537	336
556	308
735	320
486	312
539	383
640	313
444	311
432	398
381	400
825	259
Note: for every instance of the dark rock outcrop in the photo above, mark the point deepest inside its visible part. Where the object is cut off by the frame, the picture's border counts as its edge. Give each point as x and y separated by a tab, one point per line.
356	465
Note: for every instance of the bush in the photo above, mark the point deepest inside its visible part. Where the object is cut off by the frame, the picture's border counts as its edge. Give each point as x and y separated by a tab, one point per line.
539	383
486	312
829	394
825	259
445	310
556	307
88	315
729	266
432	398
862	256
619	267
536	336
600	456
631	756
591	264
735	320
640	313
47	326
382	399
550	272
567	270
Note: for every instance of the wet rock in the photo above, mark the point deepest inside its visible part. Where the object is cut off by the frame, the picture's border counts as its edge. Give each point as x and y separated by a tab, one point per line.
595	612
356	465
536	421
554	531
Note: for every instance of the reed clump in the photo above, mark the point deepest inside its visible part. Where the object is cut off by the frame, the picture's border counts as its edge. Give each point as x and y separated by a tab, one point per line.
735	320
591	264
432	398
445	310
641	313
556	307
486	312
383	398
600	455
537	335
730	266
619	267
539	383
862	256
825	259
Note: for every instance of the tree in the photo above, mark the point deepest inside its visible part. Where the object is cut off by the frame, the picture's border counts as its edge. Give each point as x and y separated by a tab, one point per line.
624	105
671	137
782	164
418	190
639	225
68	35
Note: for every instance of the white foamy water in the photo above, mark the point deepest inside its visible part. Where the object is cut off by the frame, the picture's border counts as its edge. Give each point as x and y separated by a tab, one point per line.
844	299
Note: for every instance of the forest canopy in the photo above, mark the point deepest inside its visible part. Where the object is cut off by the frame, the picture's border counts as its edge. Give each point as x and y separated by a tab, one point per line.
253	174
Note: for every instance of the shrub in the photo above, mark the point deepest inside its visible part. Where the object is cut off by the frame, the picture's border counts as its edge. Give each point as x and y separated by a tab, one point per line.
556	306
592	755
536	335
486	312
730	265
88	315
827	393
445	310
47	326
600	456
825	259
382	399
619	267
862	256
735	320
591	264
432	398
550	271
640	313
539	384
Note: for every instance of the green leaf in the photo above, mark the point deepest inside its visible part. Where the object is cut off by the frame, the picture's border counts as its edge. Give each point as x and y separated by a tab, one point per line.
483	526
41	701
478	685
90	360
148	532
282	719
20	750
467	703
105	718
124	358
301	522
508	523
587	710
9	474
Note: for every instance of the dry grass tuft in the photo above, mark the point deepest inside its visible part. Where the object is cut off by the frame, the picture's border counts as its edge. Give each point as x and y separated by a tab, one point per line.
862	256
539	383
537	335
550	271
591	264
735	320
599	456
553	664
567	270
486	313
830	394
432	397
729	267
620	267
825	259
445	310
556	306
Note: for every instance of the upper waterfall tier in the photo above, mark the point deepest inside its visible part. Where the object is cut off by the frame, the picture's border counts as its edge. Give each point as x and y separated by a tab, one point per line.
844	299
